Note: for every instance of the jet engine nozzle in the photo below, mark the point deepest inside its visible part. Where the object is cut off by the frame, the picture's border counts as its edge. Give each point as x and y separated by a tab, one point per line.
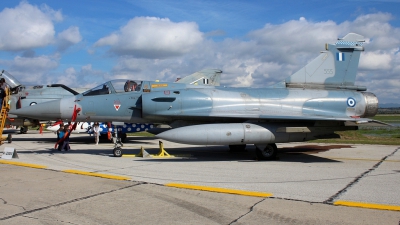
371	104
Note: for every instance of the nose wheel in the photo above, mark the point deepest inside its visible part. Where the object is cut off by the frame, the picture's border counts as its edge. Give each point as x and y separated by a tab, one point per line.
117	152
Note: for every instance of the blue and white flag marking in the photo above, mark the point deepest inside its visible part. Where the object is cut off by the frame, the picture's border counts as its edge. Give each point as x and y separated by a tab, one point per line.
126	128
340	56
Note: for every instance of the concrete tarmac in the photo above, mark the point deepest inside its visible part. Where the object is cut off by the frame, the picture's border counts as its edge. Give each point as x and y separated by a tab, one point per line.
309	184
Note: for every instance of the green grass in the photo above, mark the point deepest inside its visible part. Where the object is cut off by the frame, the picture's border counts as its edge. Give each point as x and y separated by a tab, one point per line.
140	134
370	135
387	118
365	137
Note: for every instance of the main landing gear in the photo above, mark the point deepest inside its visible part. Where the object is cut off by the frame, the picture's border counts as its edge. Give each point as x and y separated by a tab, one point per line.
23	130
266	152
263	152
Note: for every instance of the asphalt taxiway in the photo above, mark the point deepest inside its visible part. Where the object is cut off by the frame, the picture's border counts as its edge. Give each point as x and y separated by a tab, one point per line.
309	183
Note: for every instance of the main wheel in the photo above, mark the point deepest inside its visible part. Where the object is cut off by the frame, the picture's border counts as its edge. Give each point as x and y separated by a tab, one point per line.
266	152
23	130
9	138
237	148
117	152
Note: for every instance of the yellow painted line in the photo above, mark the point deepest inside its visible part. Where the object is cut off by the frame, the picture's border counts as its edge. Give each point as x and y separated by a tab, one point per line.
108	176
23	164
367	205
374	160
221	190
128	155
154	156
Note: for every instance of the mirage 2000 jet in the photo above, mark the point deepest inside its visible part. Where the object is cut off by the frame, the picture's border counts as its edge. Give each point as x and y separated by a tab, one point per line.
313	103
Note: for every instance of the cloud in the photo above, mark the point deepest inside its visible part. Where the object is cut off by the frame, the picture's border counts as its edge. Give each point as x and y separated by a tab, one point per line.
150	37
69	77
83	77
32	70
294	40
68	38
39	63
275	51
376	60
26	27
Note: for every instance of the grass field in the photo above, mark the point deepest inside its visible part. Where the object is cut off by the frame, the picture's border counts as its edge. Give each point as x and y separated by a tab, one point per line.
141	134
371	135
387	118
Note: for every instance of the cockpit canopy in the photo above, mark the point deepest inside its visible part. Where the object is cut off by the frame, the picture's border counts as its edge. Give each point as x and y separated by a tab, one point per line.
114	86
10	80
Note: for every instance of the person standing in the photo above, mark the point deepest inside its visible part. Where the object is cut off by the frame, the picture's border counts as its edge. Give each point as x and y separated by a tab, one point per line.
2	95
59	130
4	84
67	132
60	136
96	132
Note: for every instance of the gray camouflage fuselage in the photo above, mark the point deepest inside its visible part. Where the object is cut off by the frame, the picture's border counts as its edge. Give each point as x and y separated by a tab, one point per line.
312	103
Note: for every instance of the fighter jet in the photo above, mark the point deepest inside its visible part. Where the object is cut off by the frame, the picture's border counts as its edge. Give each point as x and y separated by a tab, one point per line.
313	103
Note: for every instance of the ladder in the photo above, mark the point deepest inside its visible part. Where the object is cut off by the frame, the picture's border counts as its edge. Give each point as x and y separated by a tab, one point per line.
5	107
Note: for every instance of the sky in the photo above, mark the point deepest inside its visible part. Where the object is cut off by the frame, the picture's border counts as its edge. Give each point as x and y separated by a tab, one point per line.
255	43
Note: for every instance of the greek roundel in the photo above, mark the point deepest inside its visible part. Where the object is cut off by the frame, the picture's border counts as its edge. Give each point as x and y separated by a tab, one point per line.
351	102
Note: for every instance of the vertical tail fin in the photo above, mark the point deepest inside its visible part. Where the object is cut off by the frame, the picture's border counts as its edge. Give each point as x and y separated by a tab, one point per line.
336	67
209	77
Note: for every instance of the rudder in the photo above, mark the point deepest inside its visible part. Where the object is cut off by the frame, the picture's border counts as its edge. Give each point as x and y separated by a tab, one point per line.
336	67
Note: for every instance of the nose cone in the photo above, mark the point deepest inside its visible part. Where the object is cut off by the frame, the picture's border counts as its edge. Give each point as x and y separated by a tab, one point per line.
44	111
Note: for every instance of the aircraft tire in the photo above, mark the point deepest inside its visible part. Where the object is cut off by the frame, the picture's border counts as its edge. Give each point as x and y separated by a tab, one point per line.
9	138
23	130
237	148
117	152
266	152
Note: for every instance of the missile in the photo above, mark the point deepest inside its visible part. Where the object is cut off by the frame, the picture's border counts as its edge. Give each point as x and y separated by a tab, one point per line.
220	134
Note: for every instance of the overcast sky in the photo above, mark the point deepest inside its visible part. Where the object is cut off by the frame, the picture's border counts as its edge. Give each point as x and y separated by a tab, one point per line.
255	43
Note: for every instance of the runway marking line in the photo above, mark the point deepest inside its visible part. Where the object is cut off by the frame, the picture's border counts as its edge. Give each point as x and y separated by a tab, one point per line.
153	156
220	190
36	166
128	155
373	160
367	205
108	176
